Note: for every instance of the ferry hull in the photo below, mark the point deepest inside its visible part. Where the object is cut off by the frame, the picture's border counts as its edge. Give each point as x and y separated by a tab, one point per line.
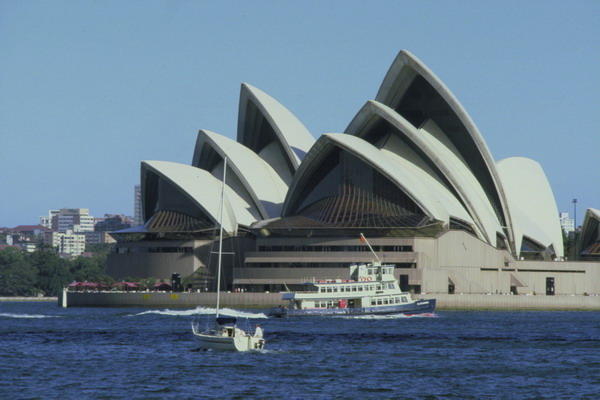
414	308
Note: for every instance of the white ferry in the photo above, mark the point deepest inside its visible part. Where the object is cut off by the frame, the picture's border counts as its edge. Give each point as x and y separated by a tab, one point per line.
371	289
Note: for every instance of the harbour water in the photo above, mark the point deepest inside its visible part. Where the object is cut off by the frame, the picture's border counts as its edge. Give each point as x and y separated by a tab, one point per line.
114	353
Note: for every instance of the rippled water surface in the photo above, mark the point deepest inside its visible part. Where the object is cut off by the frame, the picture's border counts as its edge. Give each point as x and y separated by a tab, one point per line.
114	353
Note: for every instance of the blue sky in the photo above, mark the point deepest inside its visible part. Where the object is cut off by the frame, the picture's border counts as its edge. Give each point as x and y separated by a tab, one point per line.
88	89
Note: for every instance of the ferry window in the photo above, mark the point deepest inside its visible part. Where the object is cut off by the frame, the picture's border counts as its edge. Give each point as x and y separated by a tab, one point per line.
385	301
360	288
354	288
370	271
378	287
390	285
372	302
322	290
348	288
335	289
404	299
378	302
341	288
328	289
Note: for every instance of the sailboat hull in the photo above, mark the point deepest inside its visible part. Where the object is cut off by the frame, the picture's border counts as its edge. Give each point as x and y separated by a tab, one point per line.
225	343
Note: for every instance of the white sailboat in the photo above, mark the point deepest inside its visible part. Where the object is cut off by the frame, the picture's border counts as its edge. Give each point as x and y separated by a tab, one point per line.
225	335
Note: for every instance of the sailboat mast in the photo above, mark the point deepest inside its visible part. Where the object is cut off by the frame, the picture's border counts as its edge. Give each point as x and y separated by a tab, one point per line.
221	234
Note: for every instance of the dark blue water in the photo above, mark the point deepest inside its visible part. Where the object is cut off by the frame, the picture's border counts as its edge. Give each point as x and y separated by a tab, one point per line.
50	352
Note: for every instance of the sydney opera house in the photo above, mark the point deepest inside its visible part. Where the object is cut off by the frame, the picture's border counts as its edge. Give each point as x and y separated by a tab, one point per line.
411	172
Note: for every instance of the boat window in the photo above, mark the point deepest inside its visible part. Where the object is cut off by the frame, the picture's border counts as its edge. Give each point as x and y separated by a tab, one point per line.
378	302
360	288
341	288
328	289
404	299
335	289
372	302
348	288
354	288
322	290
385	301
390	285
378	287
370	271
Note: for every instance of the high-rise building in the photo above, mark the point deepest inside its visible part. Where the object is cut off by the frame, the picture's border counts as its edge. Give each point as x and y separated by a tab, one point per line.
113	222
567	224
137	206
75	219
67	243
46	220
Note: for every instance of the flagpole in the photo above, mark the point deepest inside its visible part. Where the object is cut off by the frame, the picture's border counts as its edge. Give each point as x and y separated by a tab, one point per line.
364	240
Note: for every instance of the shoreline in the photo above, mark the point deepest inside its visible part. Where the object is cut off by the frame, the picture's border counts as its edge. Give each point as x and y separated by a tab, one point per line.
28	299
270	300
264	301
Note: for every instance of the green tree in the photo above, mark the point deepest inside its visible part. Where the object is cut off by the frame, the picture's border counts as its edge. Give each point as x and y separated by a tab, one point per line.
17	276
53	272
90	269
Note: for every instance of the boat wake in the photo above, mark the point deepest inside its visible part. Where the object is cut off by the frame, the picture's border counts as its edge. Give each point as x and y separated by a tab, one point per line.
393	316
204	311
9	315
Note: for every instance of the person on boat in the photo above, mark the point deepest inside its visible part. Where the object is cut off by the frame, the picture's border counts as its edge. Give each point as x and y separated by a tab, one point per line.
258	331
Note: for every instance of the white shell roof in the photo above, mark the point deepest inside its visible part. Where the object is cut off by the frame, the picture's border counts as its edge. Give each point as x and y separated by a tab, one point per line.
589	229
532	202
259	179
463	180
396	81
291	133
409	183
204	190
478	211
